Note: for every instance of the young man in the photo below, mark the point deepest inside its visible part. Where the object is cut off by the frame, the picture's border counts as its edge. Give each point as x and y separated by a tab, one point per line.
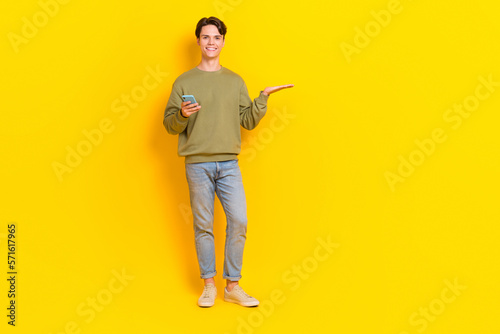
210	139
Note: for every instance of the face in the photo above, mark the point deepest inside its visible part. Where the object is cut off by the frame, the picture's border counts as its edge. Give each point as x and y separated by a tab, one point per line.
210	41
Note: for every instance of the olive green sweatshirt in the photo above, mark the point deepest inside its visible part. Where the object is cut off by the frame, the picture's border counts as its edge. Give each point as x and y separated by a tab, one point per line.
213	133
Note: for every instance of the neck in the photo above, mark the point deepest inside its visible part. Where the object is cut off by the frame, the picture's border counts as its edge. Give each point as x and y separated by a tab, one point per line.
209	64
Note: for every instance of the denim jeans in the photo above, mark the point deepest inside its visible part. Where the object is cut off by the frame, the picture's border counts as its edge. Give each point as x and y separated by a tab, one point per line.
205	179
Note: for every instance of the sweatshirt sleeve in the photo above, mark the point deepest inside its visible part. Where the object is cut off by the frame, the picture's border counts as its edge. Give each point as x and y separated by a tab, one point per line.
173	120
251	112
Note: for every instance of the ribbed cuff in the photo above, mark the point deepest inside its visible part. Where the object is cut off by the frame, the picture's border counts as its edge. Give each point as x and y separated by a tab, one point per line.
180	118
263	97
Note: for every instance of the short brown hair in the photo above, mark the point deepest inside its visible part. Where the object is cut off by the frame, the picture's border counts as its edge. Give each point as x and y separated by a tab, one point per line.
212	20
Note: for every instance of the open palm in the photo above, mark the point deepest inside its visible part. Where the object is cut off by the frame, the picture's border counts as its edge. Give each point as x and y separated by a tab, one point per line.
270	90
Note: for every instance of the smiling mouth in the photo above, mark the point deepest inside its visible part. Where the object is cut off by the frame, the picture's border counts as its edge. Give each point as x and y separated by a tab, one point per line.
211	49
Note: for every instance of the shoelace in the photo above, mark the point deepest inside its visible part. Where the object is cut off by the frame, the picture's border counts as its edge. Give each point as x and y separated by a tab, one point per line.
243	293
206	291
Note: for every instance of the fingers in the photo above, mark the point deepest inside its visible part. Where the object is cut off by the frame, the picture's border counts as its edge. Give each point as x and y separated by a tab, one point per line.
276	88
185	103
283	86
189	108
192	106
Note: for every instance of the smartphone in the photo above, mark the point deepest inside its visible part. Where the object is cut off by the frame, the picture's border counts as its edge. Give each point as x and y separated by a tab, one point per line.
189	98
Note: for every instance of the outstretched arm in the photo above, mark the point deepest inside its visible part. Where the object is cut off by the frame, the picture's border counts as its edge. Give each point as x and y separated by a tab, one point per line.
252	112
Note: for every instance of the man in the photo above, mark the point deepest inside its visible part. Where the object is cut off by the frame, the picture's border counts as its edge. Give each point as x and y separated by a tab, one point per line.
210	140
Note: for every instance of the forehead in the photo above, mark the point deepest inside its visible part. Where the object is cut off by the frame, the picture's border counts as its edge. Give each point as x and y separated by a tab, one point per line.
210	30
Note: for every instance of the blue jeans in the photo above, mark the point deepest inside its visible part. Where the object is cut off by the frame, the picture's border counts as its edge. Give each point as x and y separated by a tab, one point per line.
205	179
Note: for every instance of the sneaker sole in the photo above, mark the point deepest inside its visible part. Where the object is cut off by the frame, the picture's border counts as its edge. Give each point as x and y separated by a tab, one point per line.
240	303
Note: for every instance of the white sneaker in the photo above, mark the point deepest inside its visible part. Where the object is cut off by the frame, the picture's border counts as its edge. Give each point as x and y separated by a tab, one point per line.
207	298
239	296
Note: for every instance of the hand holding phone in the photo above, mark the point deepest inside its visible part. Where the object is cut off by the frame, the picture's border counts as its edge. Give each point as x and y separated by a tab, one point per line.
189	106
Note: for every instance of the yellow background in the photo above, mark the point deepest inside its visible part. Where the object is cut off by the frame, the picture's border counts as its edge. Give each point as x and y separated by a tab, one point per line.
319	173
